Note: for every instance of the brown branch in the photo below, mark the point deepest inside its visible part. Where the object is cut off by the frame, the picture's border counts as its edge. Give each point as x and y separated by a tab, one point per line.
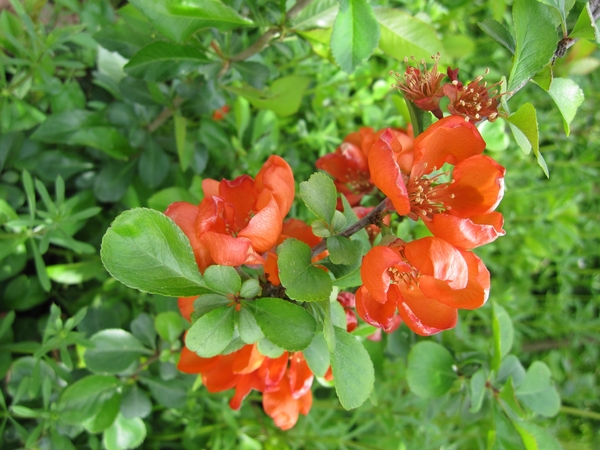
165	114
372	218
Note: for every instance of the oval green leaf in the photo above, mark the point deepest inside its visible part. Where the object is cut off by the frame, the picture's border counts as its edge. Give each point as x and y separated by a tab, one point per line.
429	372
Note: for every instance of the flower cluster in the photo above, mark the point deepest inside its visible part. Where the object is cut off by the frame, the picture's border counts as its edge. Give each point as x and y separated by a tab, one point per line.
474	101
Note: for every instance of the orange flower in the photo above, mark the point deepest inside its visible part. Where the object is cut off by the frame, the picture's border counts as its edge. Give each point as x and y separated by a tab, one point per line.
461	209
349	165
474	101
238	219
426	280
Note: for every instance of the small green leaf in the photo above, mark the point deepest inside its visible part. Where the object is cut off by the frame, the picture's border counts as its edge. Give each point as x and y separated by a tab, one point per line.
568	96
145	250
477	384
169	326
303	281
510	368
250	288
124	433
106	416
536	391
342	250
135	403
267	348
183	150
317	355
40	266
115	350
536	40
211	333
535	437
287	325
83	399
585	28
166	393
503	335
75	273
499	33
355	34
162	60
207	302
429	372
507	395
142	328
248	328
524	126
320	196
223	279
352	370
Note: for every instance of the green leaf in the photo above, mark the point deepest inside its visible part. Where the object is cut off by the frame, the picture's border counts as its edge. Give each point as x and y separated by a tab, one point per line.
510	368
535	437
320	196
145	250
178	19
342	250
317	355
524	126
154	165
135	403
124	433
287	325
211	333
75	273
223	279
568	96
142	328
403	35
544	78
115	350
502	328
169	326
84	398
162	61
208	302
163	198
561	7
355	34
40	266
283	97
250	288
6	323
167	393
184	151
303	281
352	370
22	293
429	372
248	328
319	14
536	40
106	416
499	33
585	28
537	392
508	396
477	384
267	348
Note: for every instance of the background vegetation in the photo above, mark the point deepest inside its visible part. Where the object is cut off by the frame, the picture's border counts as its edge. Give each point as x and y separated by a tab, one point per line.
106	106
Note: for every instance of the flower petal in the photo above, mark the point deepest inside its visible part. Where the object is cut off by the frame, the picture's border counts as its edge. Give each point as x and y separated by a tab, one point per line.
276	176
374	271
424	315
186	306
467	233
378	314
264	228
281	406
243	387
229	251
189	362
386	173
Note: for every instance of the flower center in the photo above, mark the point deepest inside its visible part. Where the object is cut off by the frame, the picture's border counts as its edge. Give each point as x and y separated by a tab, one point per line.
428	196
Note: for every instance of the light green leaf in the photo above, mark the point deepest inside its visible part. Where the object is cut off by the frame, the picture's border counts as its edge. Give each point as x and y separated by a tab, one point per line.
536	40
568	96
115	350
106	416
352	370
179	19
83	399
499	33
161	61
403	35
585	28
169	326
355	34
429	372
135	403
535	437
124	433
286	324
283	97
223	279
248	328
145	250
302	280
317	355
503	334
524	126
211	333
537	392
75	273
477	384
320	196
207	302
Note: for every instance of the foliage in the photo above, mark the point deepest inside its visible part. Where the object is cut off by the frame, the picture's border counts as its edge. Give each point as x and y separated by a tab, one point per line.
111	112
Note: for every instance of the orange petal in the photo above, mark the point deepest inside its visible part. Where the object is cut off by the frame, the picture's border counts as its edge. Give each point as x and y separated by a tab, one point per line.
281	406
424	315
186	306
374	271
378	314
276	176
272	371
271	269
243	387
386	173
300	375
229	251
247	359
449	140
210	187
221	376
478	186
264	228
189	362
467	233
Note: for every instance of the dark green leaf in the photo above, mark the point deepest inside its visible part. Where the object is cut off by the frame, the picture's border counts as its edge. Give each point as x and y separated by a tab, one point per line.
22	293
211	333
499	33
342	250
145	250
355	34
352	370
142	328
154	164
302	280
166	393
287	325
320	196
429	372
115	350
83	399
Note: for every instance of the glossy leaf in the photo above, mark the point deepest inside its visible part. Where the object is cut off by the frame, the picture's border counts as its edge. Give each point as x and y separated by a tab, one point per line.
223	279
145	250
568	96
320	196
169	325
286	324
115	350
429	372
124	433
352	370
355	34
211	333
83	399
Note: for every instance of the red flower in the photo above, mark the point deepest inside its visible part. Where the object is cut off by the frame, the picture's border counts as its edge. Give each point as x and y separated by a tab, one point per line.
474	101
219	114
238	219
348	302
426	280
422	86
349	165
460	210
